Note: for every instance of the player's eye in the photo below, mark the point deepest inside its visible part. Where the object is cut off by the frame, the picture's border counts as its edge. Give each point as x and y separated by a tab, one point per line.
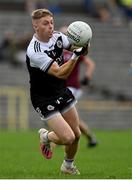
45	23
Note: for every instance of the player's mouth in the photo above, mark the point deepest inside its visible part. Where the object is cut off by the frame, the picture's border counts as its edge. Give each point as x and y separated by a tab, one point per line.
50	33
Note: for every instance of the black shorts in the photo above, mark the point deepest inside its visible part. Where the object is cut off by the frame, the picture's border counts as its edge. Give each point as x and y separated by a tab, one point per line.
50	107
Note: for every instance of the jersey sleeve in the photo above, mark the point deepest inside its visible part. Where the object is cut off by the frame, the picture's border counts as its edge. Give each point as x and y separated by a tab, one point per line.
41	60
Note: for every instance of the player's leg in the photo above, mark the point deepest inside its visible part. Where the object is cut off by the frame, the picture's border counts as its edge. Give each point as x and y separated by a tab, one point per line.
83	126
87	133
71	117
61	133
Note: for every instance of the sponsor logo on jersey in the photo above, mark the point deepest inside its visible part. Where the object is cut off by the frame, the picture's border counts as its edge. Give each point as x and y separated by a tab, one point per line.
59	100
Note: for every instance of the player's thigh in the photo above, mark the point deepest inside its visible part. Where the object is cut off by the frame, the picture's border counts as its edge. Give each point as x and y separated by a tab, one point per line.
72	118
60	127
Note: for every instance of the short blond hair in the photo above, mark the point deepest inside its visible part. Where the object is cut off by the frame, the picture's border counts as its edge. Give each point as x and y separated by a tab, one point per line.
39	13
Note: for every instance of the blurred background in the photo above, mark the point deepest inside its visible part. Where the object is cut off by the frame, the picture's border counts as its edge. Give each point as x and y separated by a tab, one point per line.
107	101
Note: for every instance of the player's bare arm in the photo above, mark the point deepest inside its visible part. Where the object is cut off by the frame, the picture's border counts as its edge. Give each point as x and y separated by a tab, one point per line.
90	67
63	71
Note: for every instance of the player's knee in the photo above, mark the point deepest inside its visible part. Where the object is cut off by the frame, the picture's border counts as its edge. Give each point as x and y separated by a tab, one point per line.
77	135
69	139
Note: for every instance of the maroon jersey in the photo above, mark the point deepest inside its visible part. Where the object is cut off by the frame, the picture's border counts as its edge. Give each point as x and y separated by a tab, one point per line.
73	79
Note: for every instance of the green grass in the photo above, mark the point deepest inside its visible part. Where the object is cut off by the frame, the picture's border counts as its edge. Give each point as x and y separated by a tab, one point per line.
20	157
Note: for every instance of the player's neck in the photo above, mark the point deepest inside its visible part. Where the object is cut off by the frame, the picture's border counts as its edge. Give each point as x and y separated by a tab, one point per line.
40	38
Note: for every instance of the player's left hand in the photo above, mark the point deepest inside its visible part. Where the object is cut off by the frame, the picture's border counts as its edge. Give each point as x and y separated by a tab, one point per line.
85	81
81	51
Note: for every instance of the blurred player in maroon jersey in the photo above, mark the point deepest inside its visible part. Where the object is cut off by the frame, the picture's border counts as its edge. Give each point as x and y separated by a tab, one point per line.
74	84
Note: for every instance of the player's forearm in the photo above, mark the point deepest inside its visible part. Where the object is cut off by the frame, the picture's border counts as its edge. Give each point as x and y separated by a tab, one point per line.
66	69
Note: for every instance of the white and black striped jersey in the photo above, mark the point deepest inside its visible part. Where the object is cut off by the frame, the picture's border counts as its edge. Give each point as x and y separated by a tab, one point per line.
39	58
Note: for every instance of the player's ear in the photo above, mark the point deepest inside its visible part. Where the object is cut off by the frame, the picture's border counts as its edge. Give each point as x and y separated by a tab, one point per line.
35	25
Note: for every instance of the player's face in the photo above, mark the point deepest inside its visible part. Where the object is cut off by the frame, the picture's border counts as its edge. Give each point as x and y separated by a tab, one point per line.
45	28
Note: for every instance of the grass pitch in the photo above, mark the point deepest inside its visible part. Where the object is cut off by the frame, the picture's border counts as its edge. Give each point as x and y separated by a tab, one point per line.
20	157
